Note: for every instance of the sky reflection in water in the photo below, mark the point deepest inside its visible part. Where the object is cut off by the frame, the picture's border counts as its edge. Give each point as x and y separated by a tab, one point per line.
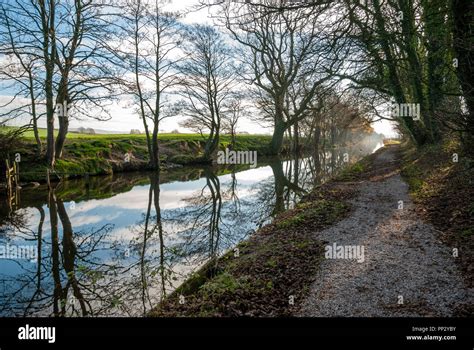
130	239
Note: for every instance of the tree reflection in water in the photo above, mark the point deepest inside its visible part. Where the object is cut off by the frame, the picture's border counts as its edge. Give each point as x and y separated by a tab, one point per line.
104	270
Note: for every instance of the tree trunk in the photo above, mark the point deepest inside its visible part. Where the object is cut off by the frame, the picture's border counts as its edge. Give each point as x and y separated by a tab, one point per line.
317	136
416	75
395	83
62	133
49	57
63	115
50	149
155	148
296	139
39	146
437	36
277	138
232	136
211	146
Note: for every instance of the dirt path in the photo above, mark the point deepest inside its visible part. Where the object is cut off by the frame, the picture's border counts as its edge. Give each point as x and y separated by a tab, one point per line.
403	259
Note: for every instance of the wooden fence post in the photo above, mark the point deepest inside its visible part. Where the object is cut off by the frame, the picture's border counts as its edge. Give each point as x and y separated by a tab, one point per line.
12	179
16	167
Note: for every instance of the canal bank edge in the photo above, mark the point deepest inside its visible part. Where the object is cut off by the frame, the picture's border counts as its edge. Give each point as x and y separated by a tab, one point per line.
270	272
109	154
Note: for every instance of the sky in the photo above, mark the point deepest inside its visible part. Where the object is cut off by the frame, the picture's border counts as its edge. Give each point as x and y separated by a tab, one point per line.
124	118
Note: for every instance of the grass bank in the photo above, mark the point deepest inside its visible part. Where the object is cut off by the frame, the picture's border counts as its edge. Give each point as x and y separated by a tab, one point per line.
275	266
440	179
106	154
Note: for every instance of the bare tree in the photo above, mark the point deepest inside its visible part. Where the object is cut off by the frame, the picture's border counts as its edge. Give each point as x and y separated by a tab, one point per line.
19	72
208	82
285	51
236	109
62	50
87	73
149	54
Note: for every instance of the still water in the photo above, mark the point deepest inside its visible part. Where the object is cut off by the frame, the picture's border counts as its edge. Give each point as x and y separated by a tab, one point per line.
115	245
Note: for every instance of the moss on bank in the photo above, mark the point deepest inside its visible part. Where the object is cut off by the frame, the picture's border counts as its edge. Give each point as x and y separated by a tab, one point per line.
324	211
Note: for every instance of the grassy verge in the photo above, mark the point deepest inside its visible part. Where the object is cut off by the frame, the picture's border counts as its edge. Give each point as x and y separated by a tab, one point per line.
443	192
106	154
274	267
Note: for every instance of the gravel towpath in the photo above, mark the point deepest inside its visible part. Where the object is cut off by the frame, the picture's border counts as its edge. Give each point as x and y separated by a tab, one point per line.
406	270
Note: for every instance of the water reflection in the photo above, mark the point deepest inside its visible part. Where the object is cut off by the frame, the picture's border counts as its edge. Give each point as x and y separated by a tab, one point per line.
113	246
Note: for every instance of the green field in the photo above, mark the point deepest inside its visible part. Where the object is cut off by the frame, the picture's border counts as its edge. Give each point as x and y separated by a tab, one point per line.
225	139
165	136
